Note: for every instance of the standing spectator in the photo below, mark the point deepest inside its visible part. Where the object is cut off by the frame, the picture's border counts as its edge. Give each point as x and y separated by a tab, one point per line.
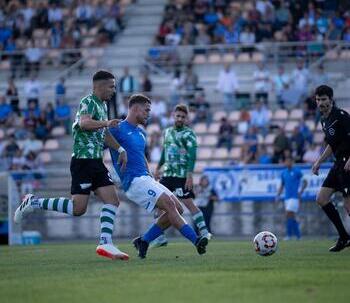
280	85
227	85
128	83
60	89
300	81
176	85
146	83
261	82
205	199
33	55
63	115
12	96
297	141
281	146
32	90
225	134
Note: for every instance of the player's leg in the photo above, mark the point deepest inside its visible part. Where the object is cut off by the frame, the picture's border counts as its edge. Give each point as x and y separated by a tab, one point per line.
292	225
106	192
197	216
323	200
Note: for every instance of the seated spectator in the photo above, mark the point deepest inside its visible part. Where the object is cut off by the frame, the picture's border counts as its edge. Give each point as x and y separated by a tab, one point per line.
32	90
62	115
31	144
243	123
128	84
190	81
12	96
50	112
42	127
259	117
225	134
176	84
33	56
146	83
312	153
31	121
250	146
158	109
201	108
263	156
5	112
320	77
11	148
247	38
281	146
17	161
299	82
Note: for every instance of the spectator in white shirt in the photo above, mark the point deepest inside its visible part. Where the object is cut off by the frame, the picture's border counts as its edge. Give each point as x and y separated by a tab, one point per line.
280	85
300	81
176	85
312	153
33	56
32	90
158	109
55	13
261	82
259	117
83	12
228	85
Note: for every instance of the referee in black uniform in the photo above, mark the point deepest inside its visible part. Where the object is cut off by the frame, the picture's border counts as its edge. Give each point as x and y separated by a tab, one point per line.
336	127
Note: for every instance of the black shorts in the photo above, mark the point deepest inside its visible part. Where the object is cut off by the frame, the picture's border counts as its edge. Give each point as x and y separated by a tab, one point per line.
338	179
88	175
177	186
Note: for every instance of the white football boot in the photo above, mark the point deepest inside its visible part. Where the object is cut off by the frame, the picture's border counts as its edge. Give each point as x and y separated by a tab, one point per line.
24	209
110	251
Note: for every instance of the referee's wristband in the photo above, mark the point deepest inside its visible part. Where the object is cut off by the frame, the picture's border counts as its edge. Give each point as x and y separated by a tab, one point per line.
121	149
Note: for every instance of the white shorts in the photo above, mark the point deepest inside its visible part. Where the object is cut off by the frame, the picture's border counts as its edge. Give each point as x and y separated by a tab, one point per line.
145	191
291	205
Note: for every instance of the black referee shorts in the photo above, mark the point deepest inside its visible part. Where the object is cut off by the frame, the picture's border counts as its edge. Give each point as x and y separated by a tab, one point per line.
338	179
88	175
177	186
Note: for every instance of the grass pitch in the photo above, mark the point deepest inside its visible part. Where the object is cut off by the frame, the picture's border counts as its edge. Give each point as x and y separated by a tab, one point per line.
230	272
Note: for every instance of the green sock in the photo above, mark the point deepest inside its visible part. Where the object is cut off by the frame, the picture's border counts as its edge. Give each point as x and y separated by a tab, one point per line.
62	205
200	223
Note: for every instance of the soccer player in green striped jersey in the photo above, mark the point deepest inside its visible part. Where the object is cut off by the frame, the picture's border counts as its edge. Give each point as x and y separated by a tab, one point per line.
178	160
90	133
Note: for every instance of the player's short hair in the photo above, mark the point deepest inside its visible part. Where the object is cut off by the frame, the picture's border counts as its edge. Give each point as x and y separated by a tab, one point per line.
138	99
182	108
324	90
102	75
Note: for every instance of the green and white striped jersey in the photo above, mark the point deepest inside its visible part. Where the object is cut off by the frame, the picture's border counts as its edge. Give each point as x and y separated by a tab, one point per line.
89	144
179	152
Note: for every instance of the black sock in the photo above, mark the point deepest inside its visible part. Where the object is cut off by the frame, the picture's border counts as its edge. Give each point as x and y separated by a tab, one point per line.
334	216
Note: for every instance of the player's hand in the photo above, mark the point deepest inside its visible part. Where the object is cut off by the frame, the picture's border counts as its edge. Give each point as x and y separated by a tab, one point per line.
347	165
157	174
113	122
315	168
122	159
189	182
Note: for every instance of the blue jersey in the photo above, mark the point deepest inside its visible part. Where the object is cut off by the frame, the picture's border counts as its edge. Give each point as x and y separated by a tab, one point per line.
133	140
291	180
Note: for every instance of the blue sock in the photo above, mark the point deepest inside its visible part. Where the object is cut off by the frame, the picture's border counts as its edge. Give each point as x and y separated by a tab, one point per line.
153	233
188	232
289	227
296	229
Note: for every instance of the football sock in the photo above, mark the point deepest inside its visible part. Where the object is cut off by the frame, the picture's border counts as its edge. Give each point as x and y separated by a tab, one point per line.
62	205
188	232
153	233
334	216
296	229
200	223
107	217
289	227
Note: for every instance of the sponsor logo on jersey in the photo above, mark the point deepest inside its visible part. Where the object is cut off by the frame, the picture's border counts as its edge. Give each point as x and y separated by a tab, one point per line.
85	185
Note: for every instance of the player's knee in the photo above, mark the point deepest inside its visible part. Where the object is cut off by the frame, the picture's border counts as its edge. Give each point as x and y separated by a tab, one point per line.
79	211
170	205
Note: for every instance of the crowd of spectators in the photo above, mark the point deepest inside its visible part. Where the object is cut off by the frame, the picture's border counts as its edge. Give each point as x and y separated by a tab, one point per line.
205	22
25	129
34	26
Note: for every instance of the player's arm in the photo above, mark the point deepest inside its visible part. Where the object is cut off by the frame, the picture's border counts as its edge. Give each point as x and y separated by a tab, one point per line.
345	121
111	142
280	190
160	164
326	153
303	187
191	147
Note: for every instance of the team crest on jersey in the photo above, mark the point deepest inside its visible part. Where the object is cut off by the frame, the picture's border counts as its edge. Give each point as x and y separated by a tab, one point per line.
331	131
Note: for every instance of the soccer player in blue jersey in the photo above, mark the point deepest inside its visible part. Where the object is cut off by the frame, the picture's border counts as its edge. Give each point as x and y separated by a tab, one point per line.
290	180
138	183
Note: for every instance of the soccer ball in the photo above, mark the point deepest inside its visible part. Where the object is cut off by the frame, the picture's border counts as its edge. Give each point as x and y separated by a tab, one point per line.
265	243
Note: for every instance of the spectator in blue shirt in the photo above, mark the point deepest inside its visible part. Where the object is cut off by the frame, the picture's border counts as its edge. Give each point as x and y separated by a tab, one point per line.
5	111
62	115
60	89
291	178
